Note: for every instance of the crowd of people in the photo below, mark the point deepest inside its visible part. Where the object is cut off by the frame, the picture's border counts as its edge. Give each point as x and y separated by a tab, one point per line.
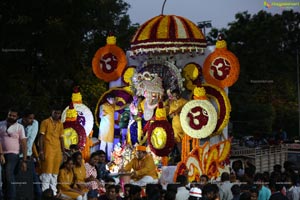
48	171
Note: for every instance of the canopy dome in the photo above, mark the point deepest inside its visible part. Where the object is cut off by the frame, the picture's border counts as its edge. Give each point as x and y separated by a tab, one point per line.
168	34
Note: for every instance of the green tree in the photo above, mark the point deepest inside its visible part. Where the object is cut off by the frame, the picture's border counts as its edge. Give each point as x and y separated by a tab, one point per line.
47	48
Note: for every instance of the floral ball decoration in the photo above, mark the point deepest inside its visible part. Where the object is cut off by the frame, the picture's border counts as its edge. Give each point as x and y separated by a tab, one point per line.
161	138
219	96
221	67
160	133
198	117
192	73
74	133
109	61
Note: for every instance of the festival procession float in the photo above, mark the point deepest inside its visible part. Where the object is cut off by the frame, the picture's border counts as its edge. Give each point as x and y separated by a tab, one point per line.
169	56
78	121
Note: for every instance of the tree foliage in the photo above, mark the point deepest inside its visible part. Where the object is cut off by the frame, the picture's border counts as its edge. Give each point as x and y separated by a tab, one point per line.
265	96
47	48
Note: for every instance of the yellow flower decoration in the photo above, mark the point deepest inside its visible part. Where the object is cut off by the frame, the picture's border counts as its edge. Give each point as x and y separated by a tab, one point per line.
128	74
160	113
190	85
71	114
190	71
159	138
199	93
70	137
221	44
76	97
111	40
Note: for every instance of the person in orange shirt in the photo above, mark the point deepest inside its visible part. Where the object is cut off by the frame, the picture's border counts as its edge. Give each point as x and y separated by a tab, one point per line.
79	172
51	149
66	182
144	169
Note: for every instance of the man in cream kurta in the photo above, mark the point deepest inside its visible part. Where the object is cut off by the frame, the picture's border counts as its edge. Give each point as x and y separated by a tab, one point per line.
107	125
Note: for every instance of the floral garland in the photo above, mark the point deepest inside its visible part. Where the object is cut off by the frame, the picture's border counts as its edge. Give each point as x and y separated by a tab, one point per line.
181	169
224	107
84	117
160	133
109	61
70	137
128	74
185	146
205	159
161	138
76	95
198	118
74	133
86	152
83	114
78	129
221	68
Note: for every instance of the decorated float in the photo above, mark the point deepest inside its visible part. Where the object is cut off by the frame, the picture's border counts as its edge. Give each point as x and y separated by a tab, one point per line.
168	53
78	121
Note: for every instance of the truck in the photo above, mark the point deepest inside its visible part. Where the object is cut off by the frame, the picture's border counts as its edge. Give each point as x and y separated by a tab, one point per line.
265	157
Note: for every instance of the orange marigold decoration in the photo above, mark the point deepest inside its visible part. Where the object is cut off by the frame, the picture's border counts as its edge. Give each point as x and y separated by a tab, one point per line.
109	61
164	160
221	67
87	148
181	169
185	146
205	159
195	142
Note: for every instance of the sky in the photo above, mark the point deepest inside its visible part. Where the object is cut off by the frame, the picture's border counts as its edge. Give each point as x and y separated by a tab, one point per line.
220	12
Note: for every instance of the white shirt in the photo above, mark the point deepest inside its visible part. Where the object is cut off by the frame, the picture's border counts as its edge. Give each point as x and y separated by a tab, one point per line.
182	193
293	193
31	133
225	190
